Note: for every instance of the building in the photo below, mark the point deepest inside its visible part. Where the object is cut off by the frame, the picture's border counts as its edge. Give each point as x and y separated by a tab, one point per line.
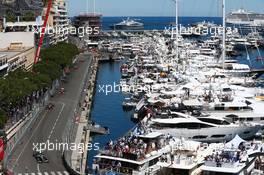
58	22
16	51
22	26
30	26
3	64
93	22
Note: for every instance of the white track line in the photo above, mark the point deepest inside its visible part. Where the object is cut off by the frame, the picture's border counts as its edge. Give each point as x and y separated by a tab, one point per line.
66	173
52	130
25	146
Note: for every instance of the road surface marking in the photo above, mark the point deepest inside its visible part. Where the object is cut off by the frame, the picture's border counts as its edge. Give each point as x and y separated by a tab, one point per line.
38	168
47	173
33	133
51	132
59	173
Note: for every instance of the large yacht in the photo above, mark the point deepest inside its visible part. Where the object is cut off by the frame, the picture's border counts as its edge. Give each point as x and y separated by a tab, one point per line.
136	153
128	24
209	129
244	17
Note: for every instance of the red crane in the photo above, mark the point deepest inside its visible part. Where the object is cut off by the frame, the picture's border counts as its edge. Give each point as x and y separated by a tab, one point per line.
43	32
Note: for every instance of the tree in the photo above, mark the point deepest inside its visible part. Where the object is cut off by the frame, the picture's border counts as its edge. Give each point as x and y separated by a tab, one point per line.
3	119
28	16
62	54
10	16
50	69
19	84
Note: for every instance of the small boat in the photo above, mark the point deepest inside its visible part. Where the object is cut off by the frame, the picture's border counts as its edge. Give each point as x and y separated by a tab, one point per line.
129	104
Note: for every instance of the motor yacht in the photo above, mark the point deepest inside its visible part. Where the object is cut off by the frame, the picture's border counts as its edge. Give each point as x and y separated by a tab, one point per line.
204	130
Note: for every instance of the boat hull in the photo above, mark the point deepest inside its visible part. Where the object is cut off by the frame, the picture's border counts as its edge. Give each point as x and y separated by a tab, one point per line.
121	27
209	134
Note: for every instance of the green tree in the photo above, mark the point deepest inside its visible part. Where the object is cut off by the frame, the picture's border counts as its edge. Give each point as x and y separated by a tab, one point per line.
10	16
3	119
49	68
19	84
62	54
28	16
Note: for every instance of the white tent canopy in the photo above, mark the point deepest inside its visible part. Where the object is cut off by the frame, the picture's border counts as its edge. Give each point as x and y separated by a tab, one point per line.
235	142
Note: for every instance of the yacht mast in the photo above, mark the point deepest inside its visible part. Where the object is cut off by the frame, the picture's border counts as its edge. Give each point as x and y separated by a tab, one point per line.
224	34
176	26
176	14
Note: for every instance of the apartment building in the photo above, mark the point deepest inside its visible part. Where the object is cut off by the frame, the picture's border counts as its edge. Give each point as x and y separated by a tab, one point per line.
58	22
92	21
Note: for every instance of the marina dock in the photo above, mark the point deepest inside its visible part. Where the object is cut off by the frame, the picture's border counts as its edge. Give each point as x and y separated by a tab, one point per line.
178	104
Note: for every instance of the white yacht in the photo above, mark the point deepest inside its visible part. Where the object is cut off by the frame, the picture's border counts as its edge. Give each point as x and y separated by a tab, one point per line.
187	158
244	17
137	153
128	24
210	129
235	157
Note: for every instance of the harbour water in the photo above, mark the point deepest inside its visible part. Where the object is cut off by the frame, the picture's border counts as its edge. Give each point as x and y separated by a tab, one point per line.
159	23
107	109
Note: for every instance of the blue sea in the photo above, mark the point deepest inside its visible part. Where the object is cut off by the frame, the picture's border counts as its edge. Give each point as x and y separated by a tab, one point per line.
107	109
159	23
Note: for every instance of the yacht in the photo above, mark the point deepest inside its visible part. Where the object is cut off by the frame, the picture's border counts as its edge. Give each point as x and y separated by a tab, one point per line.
210	129
236	157
244	17
187	158
128	24
136	153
